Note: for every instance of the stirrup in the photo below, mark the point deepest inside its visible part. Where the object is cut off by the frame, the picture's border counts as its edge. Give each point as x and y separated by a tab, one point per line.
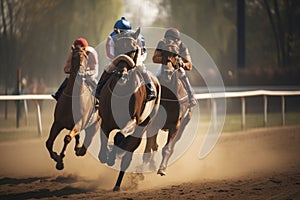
150	96
150	93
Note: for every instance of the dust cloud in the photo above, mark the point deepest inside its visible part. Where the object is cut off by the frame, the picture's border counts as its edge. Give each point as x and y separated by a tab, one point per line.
235	155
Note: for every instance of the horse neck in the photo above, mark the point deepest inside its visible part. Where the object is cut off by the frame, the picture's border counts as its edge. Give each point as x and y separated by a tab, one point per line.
124	90
175	83
75	86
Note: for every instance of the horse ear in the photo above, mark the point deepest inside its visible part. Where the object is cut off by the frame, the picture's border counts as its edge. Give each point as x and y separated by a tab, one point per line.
137	33
72	47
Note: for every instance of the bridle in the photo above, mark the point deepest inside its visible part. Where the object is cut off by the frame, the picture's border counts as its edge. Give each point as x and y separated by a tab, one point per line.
82	62
125	38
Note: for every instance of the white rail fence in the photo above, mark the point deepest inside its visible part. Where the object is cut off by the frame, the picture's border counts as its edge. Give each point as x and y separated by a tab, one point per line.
35	98
243	95
212	96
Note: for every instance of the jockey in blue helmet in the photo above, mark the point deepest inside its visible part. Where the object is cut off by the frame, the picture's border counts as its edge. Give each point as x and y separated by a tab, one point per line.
120	26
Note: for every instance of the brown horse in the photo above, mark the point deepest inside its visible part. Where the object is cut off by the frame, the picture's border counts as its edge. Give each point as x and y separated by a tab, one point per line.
174	113
74	110
123	106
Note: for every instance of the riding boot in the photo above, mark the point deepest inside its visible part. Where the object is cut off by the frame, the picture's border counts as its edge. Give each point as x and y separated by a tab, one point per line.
104	77
150	92
60	90
188	88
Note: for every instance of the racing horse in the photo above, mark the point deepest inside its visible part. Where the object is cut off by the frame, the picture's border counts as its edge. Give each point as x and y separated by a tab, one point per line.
123	105
74	110
174	113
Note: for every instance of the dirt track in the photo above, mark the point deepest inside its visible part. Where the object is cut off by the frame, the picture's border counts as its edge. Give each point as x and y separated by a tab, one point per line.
257	164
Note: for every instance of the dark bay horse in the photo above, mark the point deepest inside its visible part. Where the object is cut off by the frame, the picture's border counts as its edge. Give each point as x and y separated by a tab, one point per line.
123	106
74	110
174	113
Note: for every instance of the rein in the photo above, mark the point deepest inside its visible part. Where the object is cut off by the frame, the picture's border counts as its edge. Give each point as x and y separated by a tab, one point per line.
181	100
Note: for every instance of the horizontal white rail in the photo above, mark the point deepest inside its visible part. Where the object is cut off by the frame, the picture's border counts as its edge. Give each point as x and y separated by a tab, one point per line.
27	97
245	94
200	96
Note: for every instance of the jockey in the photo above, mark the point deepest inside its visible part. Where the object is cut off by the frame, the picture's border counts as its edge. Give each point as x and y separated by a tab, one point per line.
185	62
92	68
120	26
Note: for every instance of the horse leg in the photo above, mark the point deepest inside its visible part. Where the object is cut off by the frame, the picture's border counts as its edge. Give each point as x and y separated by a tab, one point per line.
119	137
55	130
67	140
77	145
124	164
89	134
129	145
151	144
167	151
102	156
174	136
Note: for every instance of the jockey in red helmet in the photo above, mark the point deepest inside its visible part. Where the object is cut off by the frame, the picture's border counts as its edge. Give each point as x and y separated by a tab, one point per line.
92	69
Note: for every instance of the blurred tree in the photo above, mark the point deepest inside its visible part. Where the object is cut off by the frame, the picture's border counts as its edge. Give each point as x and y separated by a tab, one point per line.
272	31
240	33
283	15
212	23
37	35
10	12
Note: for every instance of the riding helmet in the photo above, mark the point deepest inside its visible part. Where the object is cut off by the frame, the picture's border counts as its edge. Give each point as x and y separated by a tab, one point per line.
173	33
81	42
122	24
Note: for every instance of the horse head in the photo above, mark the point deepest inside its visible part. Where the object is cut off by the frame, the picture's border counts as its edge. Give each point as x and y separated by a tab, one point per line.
127	43
170	59
79	60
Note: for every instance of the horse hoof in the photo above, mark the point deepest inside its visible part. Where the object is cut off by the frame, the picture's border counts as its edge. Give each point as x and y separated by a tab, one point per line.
110	162
161	172
80	151
116	189
60	166
102	158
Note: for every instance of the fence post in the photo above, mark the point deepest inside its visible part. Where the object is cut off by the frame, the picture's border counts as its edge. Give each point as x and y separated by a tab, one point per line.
18	102
26	112
243	113
6	110
265	110
282	111
38	116
214	113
